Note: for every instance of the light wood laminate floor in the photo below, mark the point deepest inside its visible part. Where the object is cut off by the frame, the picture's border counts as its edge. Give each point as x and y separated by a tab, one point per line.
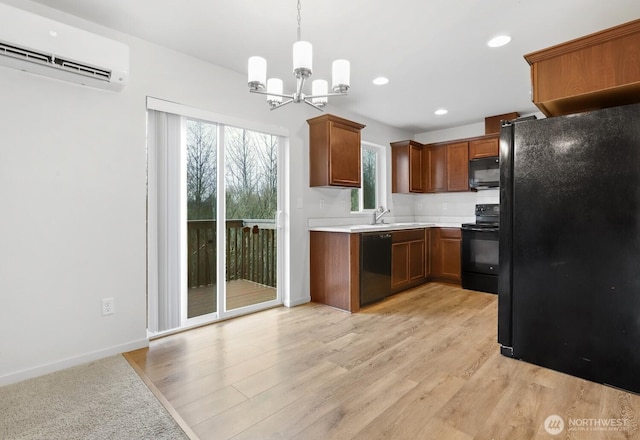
423	364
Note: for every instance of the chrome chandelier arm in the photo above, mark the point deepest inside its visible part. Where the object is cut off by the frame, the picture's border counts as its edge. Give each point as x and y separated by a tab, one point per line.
262	92
281	104
316	106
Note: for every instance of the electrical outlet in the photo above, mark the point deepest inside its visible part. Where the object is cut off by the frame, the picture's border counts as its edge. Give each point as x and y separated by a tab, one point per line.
445	206
108	306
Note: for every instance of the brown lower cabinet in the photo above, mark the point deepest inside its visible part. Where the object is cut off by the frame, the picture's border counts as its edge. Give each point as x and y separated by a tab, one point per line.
408	259
445	254
417	256
335	269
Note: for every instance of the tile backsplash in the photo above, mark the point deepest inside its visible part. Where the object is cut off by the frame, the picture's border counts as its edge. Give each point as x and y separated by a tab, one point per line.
452	207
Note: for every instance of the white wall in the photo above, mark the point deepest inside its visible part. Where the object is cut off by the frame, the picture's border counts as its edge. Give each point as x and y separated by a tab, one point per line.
450	134
72	185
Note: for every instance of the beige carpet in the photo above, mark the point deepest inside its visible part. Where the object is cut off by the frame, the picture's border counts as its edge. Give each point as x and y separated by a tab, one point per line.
105	399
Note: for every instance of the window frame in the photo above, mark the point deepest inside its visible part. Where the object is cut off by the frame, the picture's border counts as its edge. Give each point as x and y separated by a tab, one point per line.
380	183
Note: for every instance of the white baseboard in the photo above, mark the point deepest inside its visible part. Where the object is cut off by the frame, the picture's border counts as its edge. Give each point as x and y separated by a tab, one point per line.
72	362
297	301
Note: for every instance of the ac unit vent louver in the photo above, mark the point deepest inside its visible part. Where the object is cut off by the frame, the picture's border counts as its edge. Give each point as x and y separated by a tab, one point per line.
25	54
40	45
40	58
82	69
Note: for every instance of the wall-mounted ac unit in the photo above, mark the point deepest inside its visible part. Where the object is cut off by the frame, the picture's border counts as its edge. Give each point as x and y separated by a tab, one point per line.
39	45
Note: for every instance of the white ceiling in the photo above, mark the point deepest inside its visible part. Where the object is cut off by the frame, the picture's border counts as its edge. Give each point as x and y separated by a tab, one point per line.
433	51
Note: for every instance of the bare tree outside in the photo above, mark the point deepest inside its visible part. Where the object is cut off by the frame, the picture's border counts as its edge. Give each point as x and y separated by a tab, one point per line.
251	174
201	170
369	196
268	168
251	196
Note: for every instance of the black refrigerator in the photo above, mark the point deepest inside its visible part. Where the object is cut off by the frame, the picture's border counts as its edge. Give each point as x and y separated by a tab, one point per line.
569	281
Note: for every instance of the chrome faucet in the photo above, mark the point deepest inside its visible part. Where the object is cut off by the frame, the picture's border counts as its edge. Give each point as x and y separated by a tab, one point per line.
379	213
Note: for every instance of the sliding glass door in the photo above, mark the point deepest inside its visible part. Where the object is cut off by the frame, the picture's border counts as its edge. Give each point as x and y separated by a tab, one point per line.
231	218
201	199
214	205
251	205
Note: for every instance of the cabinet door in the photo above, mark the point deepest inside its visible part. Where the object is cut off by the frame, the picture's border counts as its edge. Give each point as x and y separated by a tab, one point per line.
458	166
407	167
344	155
416	180
445	253
436	169
436	252
334	152
484	148
399	265
416	260
451	265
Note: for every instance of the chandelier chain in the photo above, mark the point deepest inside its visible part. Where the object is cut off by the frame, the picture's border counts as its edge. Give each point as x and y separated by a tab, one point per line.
299	33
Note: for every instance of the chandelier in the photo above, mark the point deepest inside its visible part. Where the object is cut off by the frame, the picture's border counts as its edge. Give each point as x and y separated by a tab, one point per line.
302	70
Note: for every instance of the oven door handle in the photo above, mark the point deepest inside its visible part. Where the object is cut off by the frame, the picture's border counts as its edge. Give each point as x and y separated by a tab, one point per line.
481	229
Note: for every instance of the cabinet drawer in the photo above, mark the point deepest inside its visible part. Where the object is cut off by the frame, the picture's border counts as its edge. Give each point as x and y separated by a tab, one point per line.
450	233
408	235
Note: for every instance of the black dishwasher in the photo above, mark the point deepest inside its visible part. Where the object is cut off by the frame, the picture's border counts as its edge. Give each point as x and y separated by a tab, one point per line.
375	267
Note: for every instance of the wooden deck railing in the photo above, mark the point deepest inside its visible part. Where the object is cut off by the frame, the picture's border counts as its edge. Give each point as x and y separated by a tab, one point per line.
250	251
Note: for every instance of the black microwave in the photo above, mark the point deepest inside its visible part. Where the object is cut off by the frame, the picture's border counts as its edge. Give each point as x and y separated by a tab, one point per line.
484	173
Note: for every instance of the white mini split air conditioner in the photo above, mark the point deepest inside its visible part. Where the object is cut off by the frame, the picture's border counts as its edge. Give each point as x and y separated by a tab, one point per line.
39	45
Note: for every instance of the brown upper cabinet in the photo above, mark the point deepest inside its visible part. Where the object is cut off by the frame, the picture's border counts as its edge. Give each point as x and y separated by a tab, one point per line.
440	167
492	124
488	146
596	71
435	168
334	152
458	166
447	167
418	168
407	167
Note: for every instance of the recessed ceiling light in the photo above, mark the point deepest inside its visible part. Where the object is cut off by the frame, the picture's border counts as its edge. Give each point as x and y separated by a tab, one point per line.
441	111
380	81
499	41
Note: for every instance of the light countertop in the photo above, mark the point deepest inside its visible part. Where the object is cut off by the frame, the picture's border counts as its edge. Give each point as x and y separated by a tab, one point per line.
357	229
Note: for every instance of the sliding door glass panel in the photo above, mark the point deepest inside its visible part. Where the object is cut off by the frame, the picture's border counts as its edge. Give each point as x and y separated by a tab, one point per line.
251	203
201	164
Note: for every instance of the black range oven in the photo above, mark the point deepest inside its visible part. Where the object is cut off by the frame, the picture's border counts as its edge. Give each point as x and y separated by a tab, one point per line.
480	250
